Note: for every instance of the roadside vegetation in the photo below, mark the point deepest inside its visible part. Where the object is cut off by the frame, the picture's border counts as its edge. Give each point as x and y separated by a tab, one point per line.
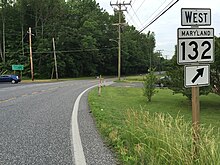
156	132
149	85
84	39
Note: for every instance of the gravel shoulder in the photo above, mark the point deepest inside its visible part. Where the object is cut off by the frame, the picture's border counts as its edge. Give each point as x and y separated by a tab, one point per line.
95	150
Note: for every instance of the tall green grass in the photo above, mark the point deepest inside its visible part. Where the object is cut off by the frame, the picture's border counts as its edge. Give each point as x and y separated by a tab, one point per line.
161	139
142	133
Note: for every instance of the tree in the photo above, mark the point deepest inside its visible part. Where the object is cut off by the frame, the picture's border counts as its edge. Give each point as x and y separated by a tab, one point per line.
81	30
137	49
215	68
149	85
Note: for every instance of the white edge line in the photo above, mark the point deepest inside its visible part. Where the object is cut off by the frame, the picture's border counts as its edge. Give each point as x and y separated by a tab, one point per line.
76	140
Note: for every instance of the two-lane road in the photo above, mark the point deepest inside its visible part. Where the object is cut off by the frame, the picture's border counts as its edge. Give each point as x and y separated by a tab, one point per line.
35	125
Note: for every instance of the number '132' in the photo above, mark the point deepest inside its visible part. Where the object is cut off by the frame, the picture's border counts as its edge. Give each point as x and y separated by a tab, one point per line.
195	48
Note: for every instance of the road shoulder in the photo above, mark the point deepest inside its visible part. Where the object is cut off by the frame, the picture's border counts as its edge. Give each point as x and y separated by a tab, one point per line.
96	152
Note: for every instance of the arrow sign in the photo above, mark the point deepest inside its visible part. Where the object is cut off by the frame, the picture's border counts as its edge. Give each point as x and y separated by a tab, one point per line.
199	73
196	75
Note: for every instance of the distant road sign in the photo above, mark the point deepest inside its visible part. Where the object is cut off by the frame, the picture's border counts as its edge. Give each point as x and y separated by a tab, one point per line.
195	17
197	75
195	45
17	67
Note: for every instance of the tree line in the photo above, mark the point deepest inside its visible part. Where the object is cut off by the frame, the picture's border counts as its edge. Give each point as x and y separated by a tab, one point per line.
84	37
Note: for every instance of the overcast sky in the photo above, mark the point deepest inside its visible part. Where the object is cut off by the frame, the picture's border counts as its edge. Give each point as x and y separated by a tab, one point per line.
165	28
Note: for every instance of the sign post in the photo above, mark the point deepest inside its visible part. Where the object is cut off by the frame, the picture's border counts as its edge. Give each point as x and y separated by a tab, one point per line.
195	119
195	46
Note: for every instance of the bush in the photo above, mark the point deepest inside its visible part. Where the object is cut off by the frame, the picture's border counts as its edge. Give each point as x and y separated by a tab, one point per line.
149	85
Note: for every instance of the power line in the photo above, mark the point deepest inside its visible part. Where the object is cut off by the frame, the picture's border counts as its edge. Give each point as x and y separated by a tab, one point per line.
140	5
68	51
155	11
133	2
160	11
135	13
163	12
131	19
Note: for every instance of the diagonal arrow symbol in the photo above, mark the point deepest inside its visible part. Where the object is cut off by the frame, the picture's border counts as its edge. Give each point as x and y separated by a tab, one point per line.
199	74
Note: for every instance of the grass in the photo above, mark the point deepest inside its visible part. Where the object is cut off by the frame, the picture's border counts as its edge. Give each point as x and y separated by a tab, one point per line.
158	132
139	78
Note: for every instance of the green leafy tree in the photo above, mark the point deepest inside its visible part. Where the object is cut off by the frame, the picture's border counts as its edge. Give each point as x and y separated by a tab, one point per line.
81	30
149	85
215	68
137	49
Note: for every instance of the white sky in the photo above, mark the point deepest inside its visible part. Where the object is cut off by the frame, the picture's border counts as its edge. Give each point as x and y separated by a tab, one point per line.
165	28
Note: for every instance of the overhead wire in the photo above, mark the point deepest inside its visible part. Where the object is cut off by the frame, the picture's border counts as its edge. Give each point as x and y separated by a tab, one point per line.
135	13
131	19
159	15
133	2
69	51
155	11
166	8
140	5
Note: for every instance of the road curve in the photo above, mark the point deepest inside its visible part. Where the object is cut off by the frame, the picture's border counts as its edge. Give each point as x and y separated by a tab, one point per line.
35	124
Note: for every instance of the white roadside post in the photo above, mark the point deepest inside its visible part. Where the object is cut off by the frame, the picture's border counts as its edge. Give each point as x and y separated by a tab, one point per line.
195	49
100	85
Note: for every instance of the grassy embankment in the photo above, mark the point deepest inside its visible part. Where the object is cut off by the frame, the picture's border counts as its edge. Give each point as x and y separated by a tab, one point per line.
158	132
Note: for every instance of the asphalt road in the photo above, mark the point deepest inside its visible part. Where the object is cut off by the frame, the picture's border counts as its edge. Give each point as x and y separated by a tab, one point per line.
35	125
8	84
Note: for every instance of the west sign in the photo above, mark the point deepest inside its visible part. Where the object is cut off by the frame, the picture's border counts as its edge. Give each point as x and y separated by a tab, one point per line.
195	17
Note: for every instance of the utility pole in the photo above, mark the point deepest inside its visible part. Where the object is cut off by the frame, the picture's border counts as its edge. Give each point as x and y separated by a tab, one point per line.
3	37
119	24
31	60
55	58
160	67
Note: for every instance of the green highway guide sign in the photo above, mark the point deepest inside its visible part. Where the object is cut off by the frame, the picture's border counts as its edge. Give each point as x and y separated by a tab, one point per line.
17	67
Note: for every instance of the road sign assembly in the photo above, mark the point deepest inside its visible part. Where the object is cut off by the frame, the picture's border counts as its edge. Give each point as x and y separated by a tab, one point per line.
195	46
197	75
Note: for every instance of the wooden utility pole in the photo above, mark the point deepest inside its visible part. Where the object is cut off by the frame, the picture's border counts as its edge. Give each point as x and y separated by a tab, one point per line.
31	60
160	54
3	37
55	58
22	39
120	10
